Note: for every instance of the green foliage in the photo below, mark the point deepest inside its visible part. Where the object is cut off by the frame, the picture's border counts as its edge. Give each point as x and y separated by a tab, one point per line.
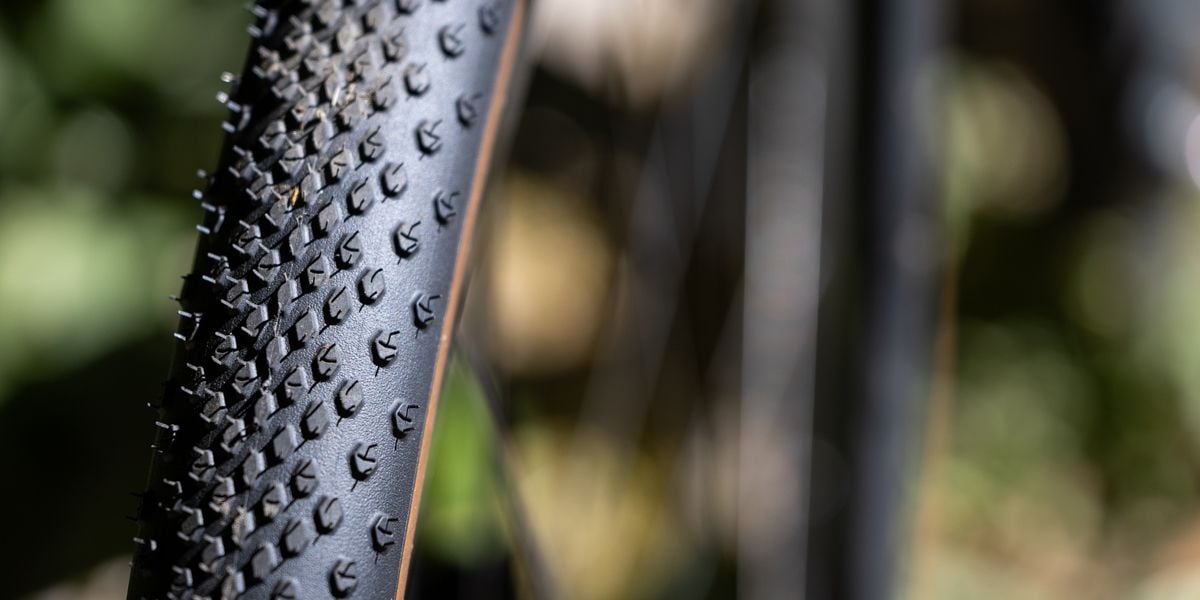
459	514
106	111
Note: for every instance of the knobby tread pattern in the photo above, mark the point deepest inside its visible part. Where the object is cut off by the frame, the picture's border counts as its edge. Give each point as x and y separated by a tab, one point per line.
291	425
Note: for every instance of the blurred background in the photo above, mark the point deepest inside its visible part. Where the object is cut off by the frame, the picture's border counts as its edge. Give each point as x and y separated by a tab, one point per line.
773	297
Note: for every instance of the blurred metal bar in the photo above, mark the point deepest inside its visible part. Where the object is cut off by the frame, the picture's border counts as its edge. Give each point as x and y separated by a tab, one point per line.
785	163
878	311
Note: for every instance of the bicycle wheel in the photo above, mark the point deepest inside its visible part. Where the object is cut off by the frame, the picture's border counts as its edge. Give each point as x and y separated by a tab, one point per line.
316	324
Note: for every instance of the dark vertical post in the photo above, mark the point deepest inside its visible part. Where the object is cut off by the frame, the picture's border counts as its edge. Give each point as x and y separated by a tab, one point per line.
877	315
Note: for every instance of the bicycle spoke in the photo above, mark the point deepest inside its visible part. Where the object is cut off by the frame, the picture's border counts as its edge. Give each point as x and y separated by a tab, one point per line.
471	345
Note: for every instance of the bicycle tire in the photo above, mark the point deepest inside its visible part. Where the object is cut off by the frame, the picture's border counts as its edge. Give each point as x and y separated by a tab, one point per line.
315	326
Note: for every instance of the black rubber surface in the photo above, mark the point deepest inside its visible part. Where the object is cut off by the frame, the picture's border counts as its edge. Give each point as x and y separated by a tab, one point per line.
291	425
